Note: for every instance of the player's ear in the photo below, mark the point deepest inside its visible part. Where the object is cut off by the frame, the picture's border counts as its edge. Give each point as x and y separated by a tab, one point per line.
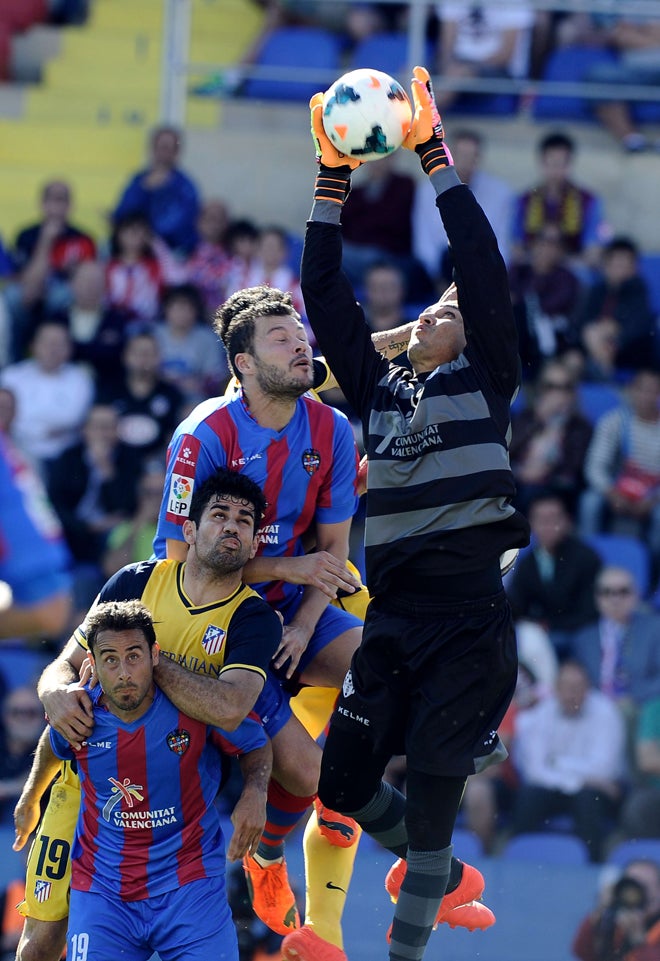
155	654
243	363
189	530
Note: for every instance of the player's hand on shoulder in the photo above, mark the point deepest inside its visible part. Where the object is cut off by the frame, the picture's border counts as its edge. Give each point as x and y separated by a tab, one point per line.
69	712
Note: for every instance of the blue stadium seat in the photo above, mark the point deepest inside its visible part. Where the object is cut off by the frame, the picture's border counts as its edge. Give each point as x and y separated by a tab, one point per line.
12	863
304	48
649	266
597	399
387	52
546	848
486	104
636	848
620	550
568	65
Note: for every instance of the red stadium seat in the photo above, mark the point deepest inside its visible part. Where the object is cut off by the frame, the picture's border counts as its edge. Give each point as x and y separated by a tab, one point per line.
18	15
5	51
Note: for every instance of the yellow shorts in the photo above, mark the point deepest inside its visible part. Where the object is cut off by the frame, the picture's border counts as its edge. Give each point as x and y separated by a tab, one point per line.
356	603
48	873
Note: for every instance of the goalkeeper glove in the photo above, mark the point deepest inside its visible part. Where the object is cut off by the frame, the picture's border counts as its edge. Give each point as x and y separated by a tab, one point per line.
333	181
426	134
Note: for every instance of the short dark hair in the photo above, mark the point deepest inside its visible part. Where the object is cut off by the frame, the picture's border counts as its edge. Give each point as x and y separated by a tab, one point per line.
188	292
556	140
621	244
229	482
119	616
234	321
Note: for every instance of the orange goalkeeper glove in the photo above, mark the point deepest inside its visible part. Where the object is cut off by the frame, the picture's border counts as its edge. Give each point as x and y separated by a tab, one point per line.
333	181
426	135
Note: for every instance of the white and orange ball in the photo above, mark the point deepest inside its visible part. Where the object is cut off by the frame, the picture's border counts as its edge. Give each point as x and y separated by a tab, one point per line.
366	114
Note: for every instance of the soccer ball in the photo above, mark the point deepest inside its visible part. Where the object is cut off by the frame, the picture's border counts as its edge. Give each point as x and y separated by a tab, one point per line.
366	114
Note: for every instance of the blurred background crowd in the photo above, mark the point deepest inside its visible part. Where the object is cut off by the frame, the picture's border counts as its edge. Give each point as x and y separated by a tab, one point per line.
105	344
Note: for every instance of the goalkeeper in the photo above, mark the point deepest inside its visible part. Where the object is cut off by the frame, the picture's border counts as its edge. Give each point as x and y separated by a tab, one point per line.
437	665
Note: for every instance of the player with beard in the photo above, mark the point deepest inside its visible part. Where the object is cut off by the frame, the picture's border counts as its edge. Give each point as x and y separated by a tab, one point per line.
208	621
303	455
149	852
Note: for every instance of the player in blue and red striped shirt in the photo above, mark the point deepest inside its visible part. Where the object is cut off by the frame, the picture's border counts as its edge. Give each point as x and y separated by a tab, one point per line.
303	456
149	856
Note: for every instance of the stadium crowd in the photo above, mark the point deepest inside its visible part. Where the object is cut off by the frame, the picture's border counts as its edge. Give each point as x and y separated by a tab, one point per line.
106	345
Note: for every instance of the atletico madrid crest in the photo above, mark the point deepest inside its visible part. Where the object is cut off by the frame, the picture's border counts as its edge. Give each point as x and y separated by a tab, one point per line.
178	741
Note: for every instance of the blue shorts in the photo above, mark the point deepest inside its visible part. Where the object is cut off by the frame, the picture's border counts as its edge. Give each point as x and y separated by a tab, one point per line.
273	703
272	706
191	923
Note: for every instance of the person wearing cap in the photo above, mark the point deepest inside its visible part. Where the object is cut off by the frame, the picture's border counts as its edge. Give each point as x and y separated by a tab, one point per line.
437	665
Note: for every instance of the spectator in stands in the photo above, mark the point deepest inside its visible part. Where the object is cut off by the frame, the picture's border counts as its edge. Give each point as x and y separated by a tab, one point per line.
149	408
552	585
620	292
241	241
7	410
208	262
375	229
600	349
494	194
93	487
624	924
569	751
164	194
22	724
52	395
640	817
619	650
131	540
135	275
34	583
550	438
384	297
482	41
622	467
191	357
270	266
97	330
556	199
44	256
634	41
546	294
